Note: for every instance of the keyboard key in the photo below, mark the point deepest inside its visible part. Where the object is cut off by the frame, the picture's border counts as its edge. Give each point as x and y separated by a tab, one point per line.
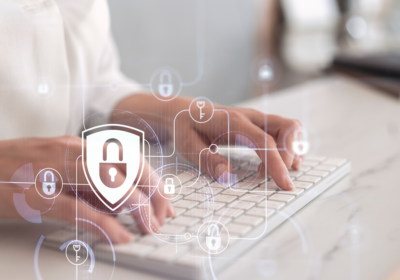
184	177
252	198
248	187
185	221
304	168
316	158
194	185
311	163
317	173
271	186
197	197
257	211
133	249
282	197
271	204
249	220
302	185
244	205
295	192
179	211
210	191
176	198
335	161
168	252
185	191
172	229
198	213
207	178
238	229
242	173
149	240
226	214
311	179
218	185
253	180
216	205
235	192
187	204
295	174
325	167
224	198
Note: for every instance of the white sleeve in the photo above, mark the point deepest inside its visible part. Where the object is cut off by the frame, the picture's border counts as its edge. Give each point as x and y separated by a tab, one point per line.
110	85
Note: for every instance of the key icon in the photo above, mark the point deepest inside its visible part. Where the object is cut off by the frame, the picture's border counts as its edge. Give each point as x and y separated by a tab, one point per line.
201	105
76	249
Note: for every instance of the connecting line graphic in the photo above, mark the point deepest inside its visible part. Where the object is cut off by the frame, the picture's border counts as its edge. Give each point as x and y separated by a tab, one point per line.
173	152
76	198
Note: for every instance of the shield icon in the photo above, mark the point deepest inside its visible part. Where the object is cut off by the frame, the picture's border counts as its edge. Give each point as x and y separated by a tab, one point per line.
109	150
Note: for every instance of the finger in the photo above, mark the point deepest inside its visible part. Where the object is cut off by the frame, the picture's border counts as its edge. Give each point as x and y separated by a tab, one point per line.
285	139
143	212
271	157
297	163
282	129
211	162
148	182
115	231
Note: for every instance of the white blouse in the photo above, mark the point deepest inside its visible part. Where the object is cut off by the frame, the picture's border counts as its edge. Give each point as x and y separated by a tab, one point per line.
58	65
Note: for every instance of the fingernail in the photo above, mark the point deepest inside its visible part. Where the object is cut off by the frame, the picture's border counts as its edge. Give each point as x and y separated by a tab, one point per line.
289	183
221	169
125	236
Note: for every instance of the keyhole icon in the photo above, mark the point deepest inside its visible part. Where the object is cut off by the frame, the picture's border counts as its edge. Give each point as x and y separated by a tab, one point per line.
213	243
112	172
48	188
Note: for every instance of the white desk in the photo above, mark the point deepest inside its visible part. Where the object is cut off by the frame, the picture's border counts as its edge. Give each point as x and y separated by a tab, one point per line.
354	122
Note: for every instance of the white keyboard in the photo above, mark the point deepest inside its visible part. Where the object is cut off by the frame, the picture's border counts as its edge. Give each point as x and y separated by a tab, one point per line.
243	213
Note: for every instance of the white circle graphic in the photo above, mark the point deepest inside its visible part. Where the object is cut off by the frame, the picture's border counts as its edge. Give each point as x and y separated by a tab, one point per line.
62	183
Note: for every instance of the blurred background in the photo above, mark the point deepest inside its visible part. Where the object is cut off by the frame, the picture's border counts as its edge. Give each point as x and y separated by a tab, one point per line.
217	45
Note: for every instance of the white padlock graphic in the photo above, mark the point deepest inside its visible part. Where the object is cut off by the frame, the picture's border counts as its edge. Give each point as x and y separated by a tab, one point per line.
301	147
165	88
49	188
213	242
169	187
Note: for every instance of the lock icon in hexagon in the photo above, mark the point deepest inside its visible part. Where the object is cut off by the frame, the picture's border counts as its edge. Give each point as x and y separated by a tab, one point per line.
213	242
49	188
165	88
169	187
113	157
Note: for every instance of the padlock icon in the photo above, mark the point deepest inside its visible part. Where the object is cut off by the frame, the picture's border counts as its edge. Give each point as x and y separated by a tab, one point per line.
113	157
169	187
265	73
165	88
49	188
301	147
213	242
43	88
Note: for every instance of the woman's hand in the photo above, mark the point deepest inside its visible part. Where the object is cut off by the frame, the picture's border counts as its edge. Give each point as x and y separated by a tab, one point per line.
50	153
267	131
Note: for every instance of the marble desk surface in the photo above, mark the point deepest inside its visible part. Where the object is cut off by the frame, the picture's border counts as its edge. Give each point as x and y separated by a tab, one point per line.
350	232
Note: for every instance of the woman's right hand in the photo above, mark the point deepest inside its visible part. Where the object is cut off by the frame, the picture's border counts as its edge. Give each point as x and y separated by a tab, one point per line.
50	153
